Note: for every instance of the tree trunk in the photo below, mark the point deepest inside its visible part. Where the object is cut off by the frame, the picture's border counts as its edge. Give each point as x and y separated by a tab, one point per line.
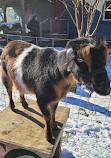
4	12
23	16
77	21
88	8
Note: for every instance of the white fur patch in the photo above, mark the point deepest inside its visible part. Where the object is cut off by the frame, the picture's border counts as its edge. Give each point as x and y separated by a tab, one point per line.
69	50
18	68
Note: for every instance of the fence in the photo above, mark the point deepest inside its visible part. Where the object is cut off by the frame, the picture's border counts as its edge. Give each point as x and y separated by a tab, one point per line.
50	26
41	41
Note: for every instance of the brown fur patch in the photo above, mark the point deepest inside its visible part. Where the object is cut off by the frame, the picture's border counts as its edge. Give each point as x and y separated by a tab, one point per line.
11	73
52	112
47	129
63	87
14	48
8	84
85	55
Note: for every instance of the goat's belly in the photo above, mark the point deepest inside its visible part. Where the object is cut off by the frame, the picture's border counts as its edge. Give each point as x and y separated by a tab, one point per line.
22	87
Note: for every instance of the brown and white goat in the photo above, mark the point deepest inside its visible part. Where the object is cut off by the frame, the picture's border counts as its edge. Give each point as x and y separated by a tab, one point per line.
49	73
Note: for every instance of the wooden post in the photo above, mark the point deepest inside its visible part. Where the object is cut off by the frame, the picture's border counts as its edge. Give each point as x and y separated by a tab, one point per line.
53	42
68	27
22	6
51	26
40	26
58	149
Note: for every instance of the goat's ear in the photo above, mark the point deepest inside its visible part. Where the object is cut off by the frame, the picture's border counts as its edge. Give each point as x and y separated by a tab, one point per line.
70	56
78	43
99	41
71	52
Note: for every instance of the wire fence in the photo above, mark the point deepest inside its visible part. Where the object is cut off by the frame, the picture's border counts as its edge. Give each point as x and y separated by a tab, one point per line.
39	41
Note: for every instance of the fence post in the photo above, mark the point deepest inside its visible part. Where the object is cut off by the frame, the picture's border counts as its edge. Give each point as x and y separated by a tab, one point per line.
52	42
51	26
37	41
68	27
22	7
40	29
21	37
7	39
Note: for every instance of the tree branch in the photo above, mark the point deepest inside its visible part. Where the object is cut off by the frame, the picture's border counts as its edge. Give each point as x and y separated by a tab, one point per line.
85	6
77	17
82	23
108	7
100	17
88	7
92	15
65	4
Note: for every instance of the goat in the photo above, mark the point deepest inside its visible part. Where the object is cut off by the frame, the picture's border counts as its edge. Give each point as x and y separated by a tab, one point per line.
49	74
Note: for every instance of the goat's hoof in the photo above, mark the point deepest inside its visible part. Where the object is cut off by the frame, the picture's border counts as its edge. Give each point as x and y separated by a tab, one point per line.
12	108
54	127
25	104
49	140
48	136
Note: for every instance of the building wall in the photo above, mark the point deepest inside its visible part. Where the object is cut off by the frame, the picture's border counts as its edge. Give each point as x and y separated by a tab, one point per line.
42	8
103	29
105	26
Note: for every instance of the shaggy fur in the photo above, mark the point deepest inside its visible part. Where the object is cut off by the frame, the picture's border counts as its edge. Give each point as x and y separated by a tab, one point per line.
49	74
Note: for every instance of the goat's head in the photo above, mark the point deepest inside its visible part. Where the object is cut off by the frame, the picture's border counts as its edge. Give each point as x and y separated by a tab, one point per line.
90	58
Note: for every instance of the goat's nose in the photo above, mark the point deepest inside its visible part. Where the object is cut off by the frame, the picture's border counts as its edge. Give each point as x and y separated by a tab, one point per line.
108	92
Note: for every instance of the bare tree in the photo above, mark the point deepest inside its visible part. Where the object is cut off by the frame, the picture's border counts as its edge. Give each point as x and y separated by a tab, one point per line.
84	10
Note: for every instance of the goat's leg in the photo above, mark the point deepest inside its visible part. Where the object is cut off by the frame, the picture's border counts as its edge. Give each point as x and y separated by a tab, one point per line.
46	114
8	84
47	129
52	112
23	101
11	102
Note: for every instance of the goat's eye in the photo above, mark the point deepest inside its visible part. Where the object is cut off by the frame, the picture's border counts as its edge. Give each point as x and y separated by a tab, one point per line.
80	60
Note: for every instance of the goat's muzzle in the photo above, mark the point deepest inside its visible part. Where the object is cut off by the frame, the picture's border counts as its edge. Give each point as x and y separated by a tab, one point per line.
101	83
